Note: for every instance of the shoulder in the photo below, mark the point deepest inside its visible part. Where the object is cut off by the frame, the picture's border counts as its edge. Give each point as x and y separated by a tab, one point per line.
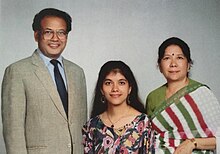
21	62
198	85
19	65
157	92
201	91
204	90
155	98
142	118
92	122
71	64
193	82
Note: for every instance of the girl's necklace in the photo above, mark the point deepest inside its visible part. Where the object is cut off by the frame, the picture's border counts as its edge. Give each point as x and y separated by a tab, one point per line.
113	123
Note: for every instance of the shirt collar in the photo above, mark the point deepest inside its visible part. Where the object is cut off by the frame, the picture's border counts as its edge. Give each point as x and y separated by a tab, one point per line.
47	59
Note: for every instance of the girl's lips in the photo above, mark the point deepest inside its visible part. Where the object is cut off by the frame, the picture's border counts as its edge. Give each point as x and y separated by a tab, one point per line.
174	71
115	95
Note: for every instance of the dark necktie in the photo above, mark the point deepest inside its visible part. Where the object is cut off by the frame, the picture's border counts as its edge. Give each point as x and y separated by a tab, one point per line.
60	85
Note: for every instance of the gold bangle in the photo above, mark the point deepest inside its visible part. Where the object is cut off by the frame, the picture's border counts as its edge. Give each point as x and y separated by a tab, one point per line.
194	142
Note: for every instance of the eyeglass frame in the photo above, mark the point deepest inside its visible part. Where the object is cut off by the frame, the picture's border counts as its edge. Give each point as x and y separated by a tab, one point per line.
48	34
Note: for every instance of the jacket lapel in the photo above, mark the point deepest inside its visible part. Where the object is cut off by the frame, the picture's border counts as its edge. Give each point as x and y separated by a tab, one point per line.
44	76
70	87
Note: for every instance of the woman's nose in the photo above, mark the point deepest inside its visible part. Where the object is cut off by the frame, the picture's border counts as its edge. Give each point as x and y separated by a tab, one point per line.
115	87
173	63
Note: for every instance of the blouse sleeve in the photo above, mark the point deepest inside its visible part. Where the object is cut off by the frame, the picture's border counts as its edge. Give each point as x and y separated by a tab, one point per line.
87	139
147	140
149	137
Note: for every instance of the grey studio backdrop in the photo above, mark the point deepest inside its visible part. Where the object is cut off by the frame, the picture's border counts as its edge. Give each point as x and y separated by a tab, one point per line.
127	30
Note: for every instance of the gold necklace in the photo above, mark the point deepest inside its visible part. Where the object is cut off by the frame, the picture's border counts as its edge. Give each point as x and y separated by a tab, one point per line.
120	131
113	123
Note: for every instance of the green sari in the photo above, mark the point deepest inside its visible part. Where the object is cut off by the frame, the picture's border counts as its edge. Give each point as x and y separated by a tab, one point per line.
193	112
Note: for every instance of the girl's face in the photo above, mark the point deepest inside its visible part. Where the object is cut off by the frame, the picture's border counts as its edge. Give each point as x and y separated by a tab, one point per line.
174	64
115	88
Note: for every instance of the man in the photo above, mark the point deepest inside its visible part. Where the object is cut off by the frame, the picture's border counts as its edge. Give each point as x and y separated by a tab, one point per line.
37	117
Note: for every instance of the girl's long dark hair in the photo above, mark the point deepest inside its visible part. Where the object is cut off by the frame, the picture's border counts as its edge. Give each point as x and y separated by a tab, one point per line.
115	66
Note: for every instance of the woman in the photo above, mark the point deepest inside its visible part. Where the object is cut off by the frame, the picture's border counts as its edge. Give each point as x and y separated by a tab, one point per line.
184	112
117	124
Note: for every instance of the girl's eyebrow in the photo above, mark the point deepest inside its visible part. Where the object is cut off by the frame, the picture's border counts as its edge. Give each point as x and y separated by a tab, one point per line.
119	79
123	79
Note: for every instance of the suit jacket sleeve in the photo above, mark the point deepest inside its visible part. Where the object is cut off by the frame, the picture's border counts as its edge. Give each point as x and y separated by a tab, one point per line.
13	111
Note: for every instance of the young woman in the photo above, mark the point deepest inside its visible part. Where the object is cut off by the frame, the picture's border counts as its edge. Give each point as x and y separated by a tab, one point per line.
184	112
117	124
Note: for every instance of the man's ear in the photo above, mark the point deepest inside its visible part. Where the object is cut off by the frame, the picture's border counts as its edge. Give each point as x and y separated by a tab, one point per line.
36	36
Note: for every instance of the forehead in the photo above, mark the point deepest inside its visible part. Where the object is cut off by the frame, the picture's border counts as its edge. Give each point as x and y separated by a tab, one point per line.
115	75
53	22
173	49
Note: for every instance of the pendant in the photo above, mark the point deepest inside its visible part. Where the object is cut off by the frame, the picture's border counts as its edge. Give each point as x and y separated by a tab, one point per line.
112	126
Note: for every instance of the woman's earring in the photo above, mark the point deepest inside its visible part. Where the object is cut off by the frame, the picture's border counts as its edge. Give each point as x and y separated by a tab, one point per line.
103	99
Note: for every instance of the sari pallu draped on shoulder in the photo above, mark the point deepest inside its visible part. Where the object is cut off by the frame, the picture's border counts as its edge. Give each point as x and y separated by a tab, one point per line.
193	112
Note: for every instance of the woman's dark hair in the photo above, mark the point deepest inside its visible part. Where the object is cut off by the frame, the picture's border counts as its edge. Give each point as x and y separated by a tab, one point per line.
36	26
115	66
174	41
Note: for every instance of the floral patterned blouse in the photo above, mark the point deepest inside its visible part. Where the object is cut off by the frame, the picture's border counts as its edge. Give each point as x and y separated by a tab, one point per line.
101	139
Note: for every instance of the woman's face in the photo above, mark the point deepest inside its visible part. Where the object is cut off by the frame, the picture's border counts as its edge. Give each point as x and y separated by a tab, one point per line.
115	88
174	64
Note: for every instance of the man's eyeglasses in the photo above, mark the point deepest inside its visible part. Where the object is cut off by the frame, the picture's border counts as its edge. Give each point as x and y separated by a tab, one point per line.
49	34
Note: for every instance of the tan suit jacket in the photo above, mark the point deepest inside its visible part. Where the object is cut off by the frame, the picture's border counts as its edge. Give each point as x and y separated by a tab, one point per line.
34	120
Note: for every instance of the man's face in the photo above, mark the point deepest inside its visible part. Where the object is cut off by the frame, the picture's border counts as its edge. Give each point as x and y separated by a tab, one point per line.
52	37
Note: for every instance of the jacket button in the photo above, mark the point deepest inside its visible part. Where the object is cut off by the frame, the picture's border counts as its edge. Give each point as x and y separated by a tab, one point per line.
69	145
